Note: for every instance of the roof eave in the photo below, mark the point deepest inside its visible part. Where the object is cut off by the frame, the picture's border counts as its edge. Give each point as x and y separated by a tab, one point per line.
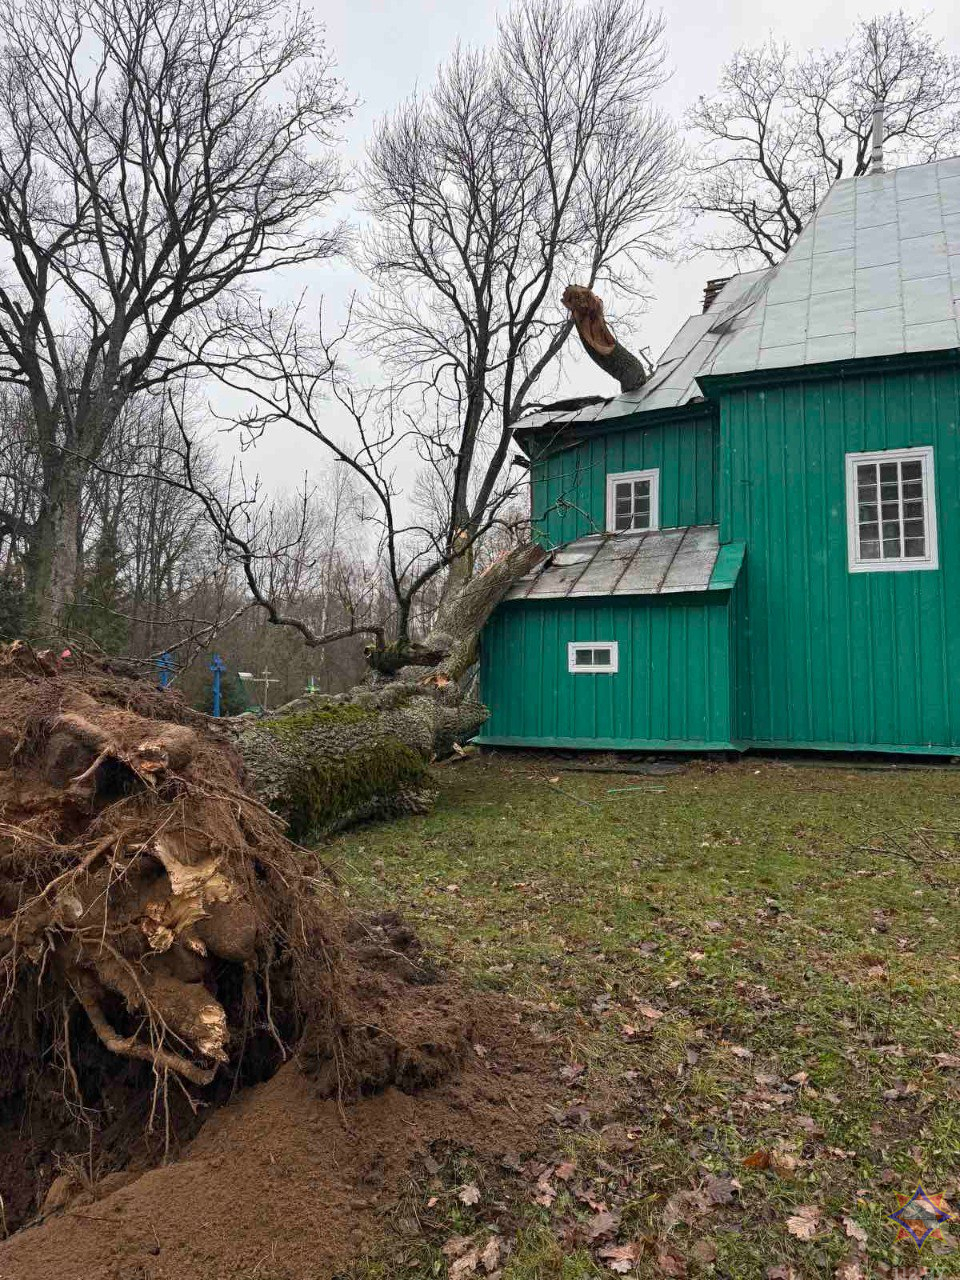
713	384
568	434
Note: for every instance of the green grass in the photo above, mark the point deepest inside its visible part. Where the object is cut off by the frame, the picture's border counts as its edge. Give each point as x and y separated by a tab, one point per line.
784	921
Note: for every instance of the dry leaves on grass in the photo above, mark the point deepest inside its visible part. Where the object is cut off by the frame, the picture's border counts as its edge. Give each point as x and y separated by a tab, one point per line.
621	1258
470	1194
804	1223
469	1259
854	1230
688	1206
781	1163
671	1264
851	1269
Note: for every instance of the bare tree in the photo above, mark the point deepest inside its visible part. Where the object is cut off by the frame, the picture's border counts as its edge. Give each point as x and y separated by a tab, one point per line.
526	166
782	127
156	158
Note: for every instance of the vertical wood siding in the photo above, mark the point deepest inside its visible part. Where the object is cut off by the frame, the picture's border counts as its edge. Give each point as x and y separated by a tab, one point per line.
673	686
826	657
569	488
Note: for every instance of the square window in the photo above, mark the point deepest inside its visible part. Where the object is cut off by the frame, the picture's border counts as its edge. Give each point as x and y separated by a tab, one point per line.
633	501
891	513
601	657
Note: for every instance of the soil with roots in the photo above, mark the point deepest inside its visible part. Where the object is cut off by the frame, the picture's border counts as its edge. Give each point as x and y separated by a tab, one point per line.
166	950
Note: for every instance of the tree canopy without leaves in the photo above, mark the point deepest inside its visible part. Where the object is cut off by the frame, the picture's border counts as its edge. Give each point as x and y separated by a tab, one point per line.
156	158
533	164
783	126
527	165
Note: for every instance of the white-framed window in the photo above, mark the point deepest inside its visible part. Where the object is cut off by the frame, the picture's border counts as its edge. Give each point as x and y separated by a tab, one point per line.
593	657
633	501
891	513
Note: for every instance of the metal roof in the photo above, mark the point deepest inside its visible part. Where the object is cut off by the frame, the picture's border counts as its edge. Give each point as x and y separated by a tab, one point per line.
876	272
660	562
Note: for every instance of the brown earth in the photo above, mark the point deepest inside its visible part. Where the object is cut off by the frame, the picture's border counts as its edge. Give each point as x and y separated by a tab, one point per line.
284	1184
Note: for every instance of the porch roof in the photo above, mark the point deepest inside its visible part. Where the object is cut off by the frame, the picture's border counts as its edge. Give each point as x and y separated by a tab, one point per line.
658	562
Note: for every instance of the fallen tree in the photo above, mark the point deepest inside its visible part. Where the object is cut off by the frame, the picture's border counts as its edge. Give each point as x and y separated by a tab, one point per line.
152	907
157	925
324	762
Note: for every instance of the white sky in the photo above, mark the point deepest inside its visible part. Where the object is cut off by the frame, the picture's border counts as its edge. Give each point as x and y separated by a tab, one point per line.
387	48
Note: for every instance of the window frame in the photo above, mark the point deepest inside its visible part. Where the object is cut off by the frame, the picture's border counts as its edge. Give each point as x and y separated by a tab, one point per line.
922	454
620	477
610	669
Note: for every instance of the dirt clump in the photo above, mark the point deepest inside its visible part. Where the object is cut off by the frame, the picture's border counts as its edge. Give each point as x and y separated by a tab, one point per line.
288	1184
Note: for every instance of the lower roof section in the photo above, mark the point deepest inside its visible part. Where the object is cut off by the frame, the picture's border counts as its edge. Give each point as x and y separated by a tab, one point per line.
658	562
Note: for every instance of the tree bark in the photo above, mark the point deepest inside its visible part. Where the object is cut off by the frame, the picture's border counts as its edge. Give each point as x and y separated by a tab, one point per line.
53	560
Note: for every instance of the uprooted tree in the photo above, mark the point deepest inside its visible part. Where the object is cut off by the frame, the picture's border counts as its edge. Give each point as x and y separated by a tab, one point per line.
156	925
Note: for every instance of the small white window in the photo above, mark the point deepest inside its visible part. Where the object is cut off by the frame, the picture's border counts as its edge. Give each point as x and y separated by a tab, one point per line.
891	515
633	501
593	657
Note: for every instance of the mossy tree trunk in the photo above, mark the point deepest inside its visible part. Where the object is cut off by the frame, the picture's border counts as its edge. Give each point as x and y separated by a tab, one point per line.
324	762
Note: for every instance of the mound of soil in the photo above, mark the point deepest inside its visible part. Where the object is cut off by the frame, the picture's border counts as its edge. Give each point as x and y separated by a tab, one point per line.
286	1184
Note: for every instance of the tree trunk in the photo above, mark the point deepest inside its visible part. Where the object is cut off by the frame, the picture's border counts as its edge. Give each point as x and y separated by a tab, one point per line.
53	561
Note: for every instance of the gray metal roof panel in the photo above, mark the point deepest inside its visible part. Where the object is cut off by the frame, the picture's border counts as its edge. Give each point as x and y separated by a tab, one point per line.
662	561
881	281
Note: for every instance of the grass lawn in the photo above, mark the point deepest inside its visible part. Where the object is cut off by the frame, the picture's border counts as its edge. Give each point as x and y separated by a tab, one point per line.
751	971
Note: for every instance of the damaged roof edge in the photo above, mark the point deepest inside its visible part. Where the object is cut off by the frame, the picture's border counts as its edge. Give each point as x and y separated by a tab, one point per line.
564	434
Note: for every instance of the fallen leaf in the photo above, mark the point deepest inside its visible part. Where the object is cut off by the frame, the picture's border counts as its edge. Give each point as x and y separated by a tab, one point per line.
600	1225
671	1264
739	1051
470	1194
854	1230
490	1255
782	1271
783	1163
621	1257
566	1170
705	1251
758	1160
948	1061
803	1224
456	1246
799	1077
465	1266
650	1012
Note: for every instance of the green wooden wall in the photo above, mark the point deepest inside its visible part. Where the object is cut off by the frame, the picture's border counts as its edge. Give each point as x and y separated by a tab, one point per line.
569	487
673	687
827	658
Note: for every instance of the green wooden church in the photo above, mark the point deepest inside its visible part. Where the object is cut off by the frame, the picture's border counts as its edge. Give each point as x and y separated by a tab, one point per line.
760	545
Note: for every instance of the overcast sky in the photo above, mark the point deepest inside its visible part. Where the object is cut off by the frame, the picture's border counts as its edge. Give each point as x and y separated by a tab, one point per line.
387	48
